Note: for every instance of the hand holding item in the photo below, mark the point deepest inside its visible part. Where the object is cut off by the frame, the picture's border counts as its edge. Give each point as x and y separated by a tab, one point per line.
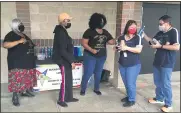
123	48
73	65
94	51
155	44
115	48
143	34
22	40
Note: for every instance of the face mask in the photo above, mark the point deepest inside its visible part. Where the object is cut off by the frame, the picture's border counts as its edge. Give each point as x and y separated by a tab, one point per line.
21	27
132	30
68	25
101	24
161	28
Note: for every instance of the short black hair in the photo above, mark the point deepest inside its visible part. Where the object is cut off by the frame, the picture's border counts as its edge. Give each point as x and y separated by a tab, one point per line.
166	18
129	23
96	20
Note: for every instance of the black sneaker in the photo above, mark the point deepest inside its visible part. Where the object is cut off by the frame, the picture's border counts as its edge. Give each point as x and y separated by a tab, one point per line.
73	100
124	99
98	92
15	100
63	104
129	104
30	93
82	93
27	94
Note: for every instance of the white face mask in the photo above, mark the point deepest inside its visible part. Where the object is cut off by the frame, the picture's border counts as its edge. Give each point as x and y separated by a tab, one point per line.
161	28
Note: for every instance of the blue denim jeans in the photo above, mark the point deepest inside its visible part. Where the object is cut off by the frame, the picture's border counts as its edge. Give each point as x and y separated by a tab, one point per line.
92	65
162	81
129	76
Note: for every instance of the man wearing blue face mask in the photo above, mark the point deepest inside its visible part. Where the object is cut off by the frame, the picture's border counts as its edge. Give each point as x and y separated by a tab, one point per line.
166	43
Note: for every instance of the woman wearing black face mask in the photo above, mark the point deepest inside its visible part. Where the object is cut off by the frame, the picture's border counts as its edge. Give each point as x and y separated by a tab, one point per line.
94	42
21	62
64	58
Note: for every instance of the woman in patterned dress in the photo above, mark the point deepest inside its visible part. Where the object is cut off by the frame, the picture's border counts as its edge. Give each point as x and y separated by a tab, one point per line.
21	62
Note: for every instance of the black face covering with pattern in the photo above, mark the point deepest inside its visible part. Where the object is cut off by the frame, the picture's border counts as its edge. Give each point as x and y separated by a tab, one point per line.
21	27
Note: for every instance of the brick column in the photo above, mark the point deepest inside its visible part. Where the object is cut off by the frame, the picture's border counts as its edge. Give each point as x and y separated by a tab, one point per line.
133	11
23	13
125	12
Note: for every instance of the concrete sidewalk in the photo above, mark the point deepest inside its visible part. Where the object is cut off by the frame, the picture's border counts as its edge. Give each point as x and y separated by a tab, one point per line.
108	102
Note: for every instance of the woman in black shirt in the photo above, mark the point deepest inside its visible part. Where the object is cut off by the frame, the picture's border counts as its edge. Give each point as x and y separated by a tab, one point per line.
94	41
21	62
129	61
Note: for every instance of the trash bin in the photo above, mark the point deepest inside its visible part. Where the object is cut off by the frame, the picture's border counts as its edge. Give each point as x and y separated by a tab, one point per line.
105	75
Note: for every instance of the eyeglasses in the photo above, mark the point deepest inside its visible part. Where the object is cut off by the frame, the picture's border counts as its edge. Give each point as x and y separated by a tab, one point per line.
161	24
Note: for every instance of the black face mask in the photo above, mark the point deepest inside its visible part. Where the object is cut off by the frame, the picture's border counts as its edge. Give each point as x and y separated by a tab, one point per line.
68	25
21	27
101	25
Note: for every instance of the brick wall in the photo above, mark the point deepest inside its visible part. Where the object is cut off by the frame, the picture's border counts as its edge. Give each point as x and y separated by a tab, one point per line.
44	17
131	10
125	12
23	13
40	19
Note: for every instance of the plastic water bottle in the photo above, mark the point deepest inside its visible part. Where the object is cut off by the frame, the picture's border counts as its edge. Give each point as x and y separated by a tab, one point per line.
140	32
79	51
49	52
91	82
42	50
46	52
117	45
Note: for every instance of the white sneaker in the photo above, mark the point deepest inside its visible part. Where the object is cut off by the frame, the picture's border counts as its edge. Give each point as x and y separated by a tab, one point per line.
154	101
165	108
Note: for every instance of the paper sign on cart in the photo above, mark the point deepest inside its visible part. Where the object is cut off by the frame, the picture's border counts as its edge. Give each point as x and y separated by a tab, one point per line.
49	77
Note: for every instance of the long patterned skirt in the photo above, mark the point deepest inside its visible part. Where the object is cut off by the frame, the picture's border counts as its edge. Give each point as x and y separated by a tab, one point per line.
20	80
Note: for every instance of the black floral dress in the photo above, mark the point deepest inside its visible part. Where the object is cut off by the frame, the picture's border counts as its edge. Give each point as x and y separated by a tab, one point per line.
21	64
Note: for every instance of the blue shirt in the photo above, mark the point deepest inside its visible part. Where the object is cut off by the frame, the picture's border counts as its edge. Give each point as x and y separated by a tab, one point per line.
166	58
132	58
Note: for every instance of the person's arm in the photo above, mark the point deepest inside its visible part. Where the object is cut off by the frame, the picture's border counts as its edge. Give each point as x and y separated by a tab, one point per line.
138	47
63	46
175	39
8	44
148	39
110	39
111	42
175	47
84	43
